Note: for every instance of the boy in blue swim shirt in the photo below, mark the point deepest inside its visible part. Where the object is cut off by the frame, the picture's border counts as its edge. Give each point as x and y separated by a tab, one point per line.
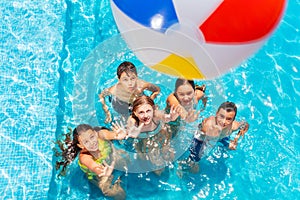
217	128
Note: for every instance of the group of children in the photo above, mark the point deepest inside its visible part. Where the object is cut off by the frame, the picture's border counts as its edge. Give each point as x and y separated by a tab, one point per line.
152	129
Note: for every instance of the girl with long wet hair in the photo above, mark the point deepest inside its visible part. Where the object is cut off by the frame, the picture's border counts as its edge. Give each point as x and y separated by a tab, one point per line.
95	152
153	140
186	95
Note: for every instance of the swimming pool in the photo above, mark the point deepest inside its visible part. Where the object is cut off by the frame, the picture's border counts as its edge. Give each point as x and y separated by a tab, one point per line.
40	58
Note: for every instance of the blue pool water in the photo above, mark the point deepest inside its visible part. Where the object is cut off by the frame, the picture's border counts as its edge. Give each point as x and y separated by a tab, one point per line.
45	51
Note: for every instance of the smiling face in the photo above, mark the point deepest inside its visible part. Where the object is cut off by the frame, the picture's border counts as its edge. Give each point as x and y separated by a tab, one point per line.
185	94
88	140
128	81
144	113
225	118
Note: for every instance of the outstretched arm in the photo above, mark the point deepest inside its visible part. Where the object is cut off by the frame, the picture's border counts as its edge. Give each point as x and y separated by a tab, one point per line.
192	116
243	128
132	129
173	115
106	169
124	133
151	87
100	169
102	95
173	101
118	133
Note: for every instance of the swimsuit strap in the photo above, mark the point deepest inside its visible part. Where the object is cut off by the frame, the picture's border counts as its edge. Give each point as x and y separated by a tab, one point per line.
105	151
148	134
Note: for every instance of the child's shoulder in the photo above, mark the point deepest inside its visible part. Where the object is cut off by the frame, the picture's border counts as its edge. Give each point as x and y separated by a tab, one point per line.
113	89
141	82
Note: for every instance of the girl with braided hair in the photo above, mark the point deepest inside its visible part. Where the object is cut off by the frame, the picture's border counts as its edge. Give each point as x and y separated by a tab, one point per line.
95	152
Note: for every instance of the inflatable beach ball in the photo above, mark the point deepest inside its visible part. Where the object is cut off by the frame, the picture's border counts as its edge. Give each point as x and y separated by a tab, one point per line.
196	39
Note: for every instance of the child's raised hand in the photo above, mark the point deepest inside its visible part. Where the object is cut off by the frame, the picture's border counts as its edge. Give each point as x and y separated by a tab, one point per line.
135	131
120	130
183	113
106	169
244	126
192	116
214	131
174	112
233	144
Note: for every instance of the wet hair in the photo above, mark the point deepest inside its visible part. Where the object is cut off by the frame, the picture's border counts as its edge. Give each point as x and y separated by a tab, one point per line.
228	107
141	100
126	67
69	147
180	82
